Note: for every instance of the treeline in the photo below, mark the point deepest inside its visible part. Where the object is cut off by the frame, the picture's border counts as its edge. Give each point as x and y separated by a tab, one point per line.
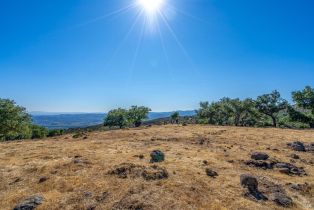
266	110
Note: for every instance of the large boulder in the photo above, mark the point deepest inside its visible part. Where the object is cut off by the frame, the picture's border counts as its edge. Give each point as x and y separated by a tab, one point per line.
30	203
297	146
157	156
259	156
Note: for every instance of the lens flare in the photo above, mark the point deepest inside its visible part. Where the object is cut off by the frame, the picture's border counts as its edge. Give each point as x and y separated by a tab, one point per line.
151	7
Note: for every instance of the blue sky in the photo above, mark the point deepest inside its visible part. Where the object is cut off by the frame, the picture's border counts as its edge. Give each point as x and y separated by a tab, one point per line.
77	56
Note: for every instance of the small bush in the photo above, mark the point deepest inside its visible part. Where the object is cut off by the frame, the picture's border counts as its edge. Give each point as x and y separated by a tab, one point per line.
39	132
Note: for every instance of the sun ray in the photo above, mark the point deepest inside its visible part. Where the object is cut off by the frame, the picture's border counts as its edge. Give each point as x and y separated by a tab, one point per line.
136	52
164	51
125	38
109	15
184	13
184	51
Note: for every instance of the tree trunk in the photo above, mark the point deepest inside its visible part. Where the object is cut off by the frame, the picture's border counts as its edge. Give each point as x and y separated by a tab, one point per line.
237	120
274	121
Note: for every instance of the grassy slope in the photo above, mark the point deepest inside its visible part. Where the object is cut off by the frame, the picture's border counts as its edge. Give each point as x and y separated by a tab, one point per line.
188	187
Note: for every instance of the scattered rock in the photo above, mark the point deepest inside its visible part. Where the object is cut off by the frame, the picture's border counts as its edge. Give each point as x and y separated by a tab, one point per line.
16	180
310	147
290	169
88	194
294	156
42	179
102	197
297	187
129	170
30	203
250	182
157	156
297	146
260	164
91	207
281	199
154	173
259	156
211	173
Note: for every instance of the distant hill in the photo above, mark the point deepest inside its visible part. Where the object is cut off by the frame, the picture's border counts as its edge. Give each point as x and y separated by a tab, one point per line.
81	120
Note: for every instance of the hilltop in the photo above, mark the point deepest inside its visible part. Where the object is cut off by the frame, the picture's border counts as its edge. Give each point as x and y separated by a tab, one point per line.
112	169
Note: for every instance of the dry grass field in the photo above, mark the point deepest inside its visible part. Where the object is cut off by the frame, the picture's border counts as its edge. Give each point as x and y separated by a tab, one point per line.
78	173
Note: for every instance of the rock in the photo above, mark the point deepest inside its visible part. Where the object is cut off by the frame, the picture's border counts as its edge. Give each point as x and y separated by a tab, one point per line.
102	197
310	147
130	170
154	173
294	156
205	162
91	207
259	156
88	194
281	199
157	156
290	169
296	187
141	156
211	173
30	203
260	164
249	181
297	146
42	179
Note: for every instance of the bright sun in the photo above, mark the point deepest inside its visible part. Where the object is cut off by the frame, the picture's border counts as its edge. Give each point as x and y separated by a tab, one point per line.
150	6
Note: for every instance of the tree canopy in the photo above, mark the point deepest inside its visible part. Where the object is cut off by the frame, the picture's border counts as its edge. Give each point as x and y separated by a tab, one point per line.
15	122
271	104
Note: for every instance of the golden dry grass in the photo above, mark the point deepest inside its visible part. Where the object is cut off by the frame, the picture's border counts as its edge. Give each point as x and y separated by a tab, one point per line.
87	184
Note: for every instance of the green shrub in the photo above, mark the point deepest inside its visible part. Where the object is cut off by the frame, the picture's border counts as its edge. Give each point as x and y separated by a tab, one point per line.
39	132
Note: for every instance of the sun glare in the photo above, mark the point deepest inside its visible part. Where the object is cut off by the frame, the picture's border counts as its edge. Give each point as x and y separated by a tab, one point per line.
150	6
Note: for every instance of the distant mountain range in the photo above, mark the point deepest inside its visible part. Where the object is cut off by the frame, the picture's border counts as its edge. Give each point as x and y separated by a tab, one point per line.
80	120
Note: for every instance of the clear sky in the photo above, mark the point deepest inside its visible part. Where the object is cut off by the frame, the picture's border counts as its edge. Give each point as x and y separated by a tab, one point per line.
95	55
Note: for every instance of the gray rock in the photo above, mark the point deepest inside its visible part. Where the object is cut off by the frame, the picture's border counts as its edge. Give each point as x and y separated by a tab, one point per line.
281	199
249	181
157	156
259	156
211	173
30	203
297	146
290	169
260	164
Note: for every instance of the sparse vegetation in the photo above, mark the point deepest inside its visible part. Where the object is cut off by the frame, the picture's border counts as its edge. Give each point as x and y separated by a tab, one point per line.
175	117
